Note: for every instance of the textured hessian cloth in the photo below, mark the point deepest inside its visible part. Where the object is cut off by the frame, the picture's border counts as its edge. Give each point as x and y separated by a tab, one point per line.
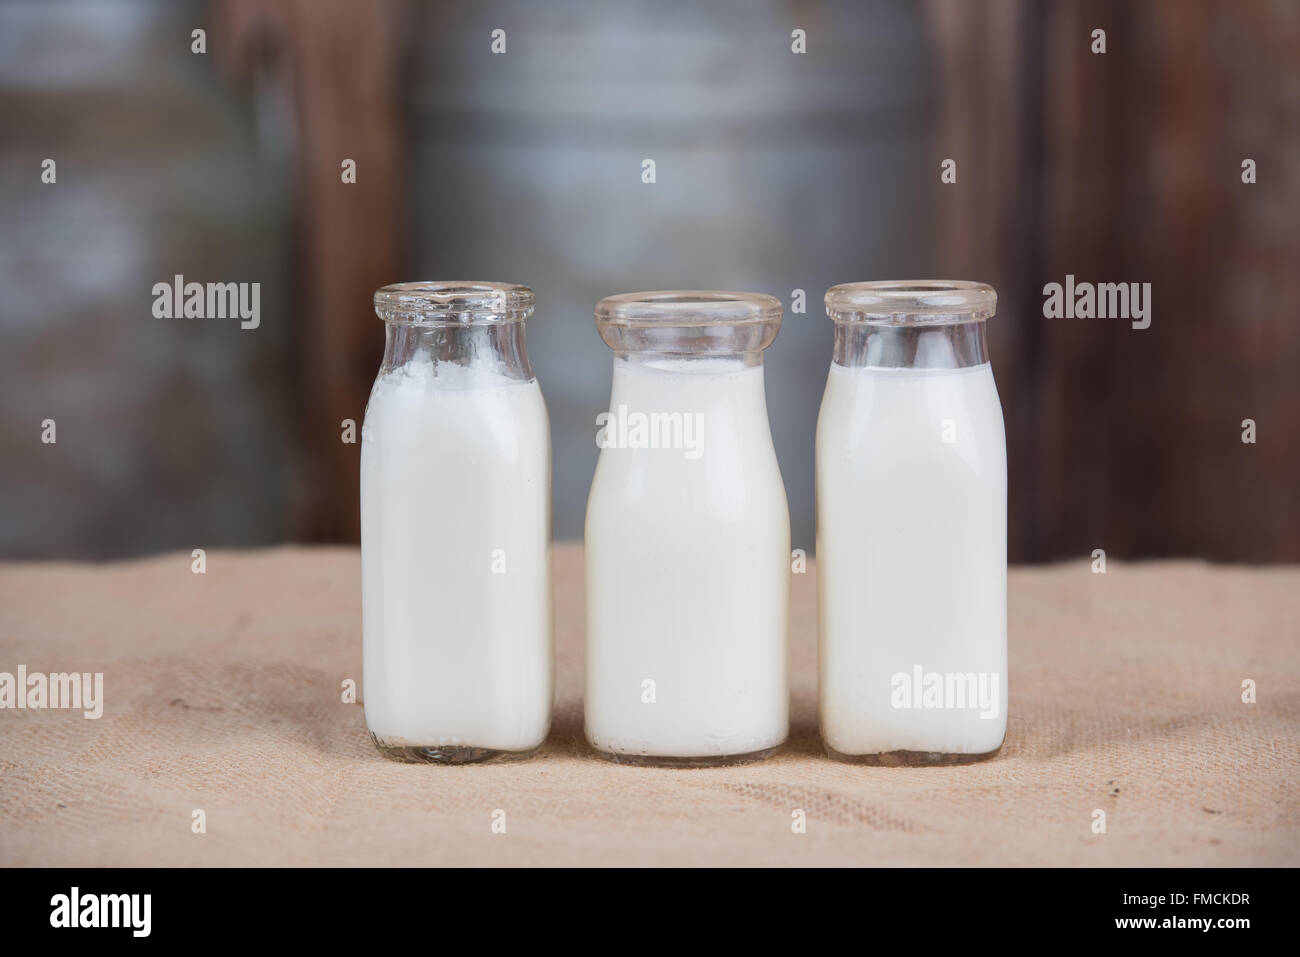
223	693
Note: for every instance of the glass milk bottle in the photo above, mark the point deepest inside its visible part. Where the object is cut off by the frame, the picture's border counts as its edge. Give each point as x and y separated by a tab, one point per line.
456	528
911	527
687	537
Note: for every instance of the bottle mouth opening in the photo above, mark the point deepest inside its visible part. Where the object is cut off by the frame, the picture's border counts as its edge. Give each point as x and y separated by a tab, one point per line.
912	302
450	302
680	308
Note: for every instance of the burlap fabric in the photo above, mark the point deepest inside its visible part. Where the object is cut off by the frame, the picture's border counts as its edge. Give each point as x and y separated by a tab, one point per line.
223	693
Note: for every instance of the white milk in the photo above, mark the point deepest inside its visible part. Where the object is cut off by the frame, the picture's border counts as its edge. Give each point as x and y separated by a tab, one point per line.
911	560
455	486
688	572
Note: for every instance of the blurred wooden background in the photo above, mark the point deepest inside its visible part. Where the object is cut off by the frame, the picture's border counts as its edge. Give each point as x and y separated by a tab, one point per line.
1126	166
1115	167
783	172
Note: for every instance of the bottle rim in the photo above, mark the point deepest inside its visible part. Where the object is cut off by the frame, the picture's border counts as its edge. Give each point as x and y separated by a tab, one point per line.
678	308
912	302
447	302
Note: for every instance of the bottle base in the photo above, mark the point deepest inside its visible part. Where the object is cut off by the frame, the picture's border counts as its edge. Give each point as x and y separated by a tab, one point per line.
448	754
912	759
696	761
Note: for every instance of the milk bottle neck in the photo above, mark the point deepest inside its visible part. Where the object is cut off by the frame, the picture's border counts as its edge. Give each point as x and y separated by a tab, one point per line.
910	346
495	347
687	326
476	326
